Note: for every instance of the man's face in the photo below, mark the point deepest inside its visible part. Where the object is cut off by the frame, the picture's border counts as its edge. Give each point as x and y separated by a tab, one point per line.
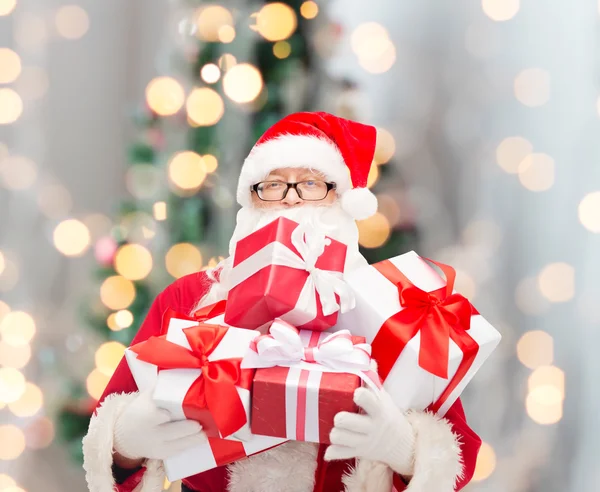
292	198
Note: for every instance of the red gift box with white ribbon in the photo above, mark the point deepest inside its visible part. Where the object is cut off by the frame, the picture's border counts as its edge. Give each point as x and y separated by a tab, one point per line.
303	379
290	271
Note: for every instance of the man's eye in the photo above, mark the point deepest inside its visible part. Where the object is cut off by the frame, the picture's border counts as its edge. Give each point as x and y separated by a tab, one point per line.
311	183
275	185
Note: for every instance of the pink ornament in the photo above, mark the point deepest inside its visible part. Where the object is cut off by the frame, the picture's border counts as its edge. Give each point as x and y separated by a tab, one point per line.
105	250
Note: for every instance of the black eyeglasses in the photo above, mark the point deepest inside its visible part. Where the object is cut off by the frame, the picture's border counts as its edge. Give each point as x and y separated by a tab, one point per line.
274	191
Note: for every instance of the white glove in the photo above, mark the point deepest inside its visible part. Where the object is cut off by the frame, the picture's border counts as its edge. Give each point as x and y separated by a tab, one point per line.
381	434
143	430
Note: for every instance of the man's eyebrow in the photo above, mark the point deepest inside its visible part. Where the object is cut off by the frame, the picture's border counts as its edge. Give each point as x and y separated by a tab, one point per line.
273	177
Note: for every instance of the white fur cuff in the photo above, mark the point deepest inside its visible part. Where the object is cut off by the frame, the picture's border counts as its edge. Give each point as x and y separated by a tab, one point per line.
98	450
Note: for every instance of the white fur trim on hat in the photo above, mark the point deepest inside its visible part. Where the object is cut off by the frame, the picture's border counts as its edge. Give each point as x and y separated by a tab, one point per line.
293	151
98	449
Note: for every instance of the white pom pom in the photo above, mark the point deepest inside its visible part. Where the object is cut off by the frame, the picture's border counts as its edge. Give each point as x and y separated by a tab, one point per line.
359	203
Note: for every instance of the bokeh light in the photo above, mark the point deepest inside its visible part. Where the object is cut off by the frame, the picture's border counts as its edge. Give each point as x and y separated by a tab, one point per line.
6	481
4	308
18	172
226	62
210	163
486	463
385	146
557	282
11	106
282	49
511	152
375	51
500	10
72	21
204	106
275	21
54	200
10	66
542	410
96	383
589	212
12	442
374	231
536	172
72	237
243	83
123	318
117	292
547	376
159	210
373	176
183	259
40	433
532	87
309	9
187	170
133	261
165	95
12	384
30	402
31	31
226	34
15	356
210	73
108	356
210	20
535	349
17	328
7	6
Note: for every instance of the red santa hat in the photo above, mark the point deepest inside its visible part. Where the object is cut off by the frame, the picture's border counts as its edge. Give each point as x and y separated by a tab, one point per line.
341	149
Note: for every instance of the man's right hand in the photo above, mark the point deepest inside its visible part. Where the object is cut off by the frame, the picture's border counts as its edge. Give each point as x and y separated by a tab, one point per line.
143	431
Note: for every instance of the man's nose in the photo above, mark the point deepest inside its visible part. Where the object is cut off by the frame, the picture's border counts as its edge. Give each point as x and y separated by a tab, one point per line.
292	198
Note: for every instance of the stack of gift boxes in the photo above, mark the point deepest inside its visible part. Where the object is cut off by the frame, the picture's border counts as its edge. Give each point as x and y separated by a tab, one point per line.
296	336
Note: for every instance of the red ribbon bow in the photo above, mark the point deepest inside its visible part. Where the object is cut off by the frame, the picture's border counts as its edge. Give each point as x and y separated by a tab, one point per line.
439	316
215	388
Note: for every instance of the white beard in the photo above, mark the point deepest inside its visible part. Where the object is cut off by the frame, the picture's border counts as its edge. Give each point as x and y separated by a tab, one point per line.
332	220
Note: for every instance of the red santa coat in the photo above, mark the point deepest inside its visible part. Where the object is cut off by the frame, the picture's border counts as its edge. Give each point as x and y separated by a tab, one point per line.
445	450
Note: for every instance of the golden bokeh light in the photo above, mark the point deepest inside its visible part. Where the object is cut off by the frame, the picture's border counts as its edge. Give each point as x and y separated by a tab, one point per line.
117	292
373	175
159	210
165	95
72	21
183	259
275	21
243	83
511	152
108	356
17	328
54	200
536	172
371	43
547	376
96	383
557	282
10	66
123	318
187	170
204	106
385	146
6	481
210	163
589	212
18	172
12	442
30	402
15	356
535	349
72	237
374	231
33	83
486	463
11	106
226	34
282	49
541	409
309	9
210	20
111	322
12	384
40	433
532	87
210	73
500	10
7	6
381	64
226	62
4	308
133	261
528	297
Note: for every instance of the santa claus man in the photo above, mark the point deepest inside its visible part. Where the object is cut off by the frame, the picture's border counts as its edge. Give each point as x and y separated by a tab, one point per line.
311	167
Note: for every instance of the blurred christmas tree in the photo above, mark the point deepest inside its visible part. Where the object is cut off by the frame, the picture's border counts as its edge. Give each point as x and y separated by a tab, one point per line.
238	72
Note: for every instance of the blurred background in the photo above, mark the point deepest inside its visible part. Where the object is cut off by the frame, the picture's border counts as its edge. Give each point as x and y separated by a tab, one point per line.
123	126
